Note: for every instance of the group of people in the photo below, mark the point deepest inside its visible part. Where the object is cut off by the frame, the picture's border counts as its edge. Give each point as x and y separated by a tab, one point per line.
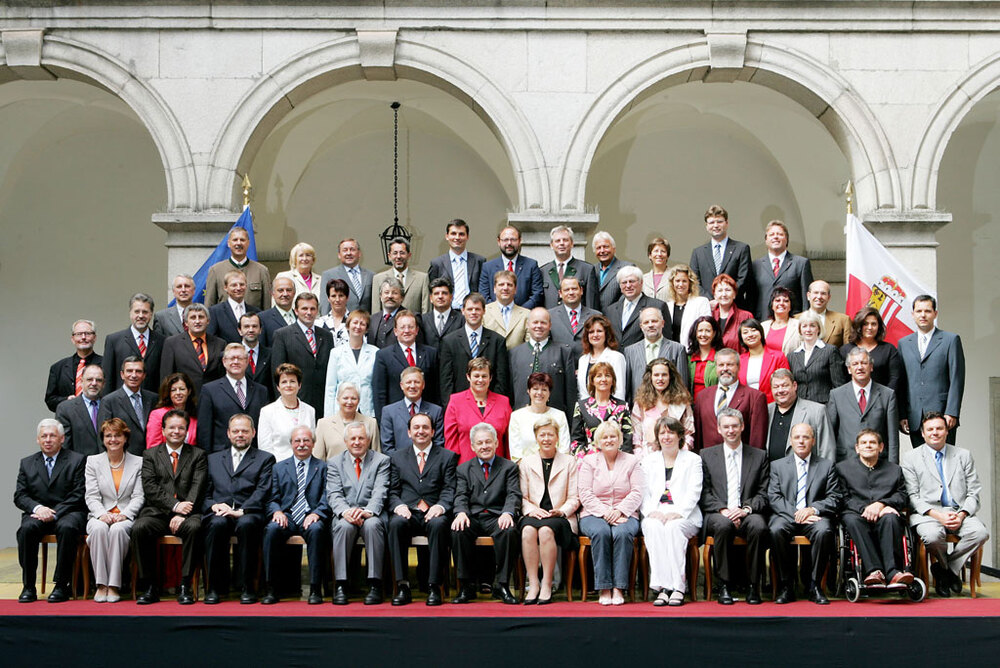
394	405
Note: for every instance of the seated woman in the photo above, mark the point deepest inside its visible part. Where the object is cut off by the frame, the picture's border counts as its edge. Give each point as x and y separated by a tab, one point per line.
599	345
758	362
661	393
684	303
726	312
781	330
279	418
523	420
301	259
817	367
600	406
330	429
176	392
477	404
548	506
114	497
337	292
705	340
868	332
611	486
670	512
352	363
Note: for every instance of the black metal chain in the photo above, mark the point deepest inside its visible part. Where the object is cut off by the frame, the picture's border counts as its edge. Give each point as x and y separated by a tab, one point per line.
395	162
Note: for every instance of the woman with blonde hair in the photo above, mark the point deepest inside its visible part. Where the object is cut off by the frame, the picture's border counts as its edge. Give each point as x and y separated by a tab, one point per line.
301	259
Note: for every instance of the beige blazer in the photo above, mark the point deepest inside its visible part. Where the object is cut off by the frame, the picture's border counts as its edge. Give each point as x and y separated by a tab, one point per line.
836	328
258	284
101	495
300	285
662	293
416	290
330	435
516	332
562	485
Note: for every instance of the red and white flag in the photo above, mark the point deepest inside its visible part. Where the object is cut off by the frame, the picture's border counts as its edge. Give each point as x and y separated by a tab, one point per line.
875	278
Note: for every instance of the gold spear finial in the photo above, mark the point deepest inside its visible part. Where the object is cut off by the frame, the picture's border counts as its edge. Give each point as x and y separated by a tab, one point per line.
246	190
849	194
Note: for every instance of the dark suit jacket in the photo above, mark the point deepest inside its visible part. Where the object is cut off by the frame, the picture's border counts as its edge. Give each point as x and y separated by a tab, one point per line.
290	345
354	300
389	365
120	345
735	262
393	428
222	323
163	488
248	488
500	494
862	487
934	383
435	486
285	487
557	360
454	355
428	334
562	332
748	401
218	403
846	419
62	378
825	371
382	332
441	266
270	322
583	271
795	273
754	478
631	332
529	281
264	371
63	492
822	487
609	292
179	356
81	436
118	405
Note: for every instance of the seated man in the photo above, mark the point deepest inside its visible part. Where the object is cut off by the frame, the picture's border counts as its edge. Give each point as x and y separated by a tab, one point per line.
174	475
804	494
943	486
734	502
49	492
874	493
486	508
298	508
421	494
239	486
357	484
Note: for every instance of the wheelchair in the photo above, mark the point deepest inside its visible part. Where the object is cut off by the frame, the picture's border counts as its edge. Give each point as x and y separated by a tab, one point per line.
850	570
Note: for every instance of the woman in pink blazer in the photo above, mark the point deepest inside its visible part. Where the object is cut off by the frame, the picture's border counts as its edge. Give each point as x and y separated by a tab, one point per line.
474	405
759	362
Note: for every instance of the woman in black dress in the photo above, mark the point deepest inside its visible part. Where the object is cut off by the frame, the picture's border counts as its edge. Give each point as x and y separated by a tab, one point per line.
869	333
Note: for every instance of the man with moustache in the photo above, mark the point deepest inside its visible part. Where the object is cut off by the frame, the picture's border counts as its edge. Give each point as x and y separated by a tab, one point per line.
258	278
137	340
194	352
529	278
358	279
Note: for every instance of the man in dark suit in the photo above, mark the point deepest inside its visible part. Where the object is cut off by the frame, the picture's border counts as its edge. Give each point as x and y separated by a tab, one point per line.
174	476
734	501
391	360
194	352
473	340
529	278
66	374
131	402
543	354
393	427
421	495
751	404
653	345
170	321
307	347
804	495
779	268
358	279
258	356
381	330
606	270
487	501
230	395
79	415
49	492
624	313
138	340
298	507
442	319
567	319
564	264
225	316
258	278
458	265
863	404
236	498
935	372
722	255
282	313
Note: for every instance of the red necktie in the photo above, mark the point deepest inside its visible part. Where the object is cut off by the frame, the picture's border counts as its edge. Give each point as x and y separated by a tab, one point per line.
486	470
200	349
573	322
142	346
777	264
253	366
413	410
409	357
510	265
311	339
78	383
862	402
357	467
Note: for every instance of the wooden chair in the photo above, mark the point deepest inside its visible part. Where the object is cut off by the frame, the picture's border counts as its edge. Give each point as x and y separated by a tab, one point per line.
581	558
706	553
691	566
800	542
78	562
923	564
161	542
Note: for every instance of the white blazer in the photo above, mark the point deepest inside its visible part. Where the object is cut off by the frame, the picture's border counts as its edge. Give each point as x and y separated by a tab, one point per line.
685	485
617	362
274	428
662	292
343	368
100	493
695	308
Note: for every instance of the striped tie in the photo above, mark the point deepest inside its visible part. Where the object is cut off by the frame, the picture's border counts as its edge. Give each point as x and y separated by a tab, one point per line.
474	344
717	257
200	349
461	283
311	339
573	322
355	281
142	346
240	396
720	401
800	490
78	382
300	507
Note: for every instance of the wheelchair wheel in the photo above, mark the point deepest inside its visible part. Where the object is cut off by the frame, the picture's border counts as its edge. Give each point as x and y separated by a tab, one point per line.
917	591
852	590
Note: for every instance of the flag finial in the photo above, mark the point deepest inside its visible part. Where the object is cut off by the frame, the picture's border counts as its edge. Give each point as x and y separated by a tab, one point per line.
246	190
849	194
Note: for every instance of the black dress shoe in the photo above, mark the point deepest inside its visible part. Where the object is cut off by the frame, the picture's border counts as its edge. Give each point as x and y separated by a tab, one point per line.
465	595
753	596
786	595
374	595
269	597
955	581
248	597
531	601
544	601
340	595
315	595
725	598
28	595
817	596
60	594
434	595
212	598
485	588
403	596
942	580
185	595
502	593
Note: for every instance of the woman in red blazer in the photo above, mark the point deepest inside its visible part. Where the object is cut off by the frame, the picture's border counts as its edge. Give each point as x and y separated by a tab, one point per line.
725	311
759	362
474	405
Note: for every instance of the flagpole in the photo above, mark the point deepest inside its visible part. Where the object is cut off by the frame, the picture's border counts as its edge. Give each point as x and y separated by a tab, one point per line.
849	194
246	190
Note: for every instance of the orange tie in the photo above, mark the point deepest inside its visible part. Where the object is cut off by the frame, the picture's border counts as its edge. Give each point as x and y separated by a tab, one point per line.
78	382
200	349
357	467
173	461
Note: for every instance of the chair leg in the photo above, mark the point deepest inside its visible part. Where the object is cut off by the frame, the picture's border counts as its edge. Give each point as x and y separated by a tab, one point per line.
570	572
975	572
582	557
706	553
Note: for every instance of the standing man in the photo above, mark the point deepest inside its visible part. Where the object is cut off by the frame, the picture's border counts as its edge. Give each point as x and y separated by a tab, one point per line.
258	278
220	400
472	341
606	269
443	318
174	475
394	424
416	290
779	268
357	486
564	264
653	346
282	313
78	416
722	255
358	279
307	347
225	316
529	278
194	352
935	372
789	409
49	492
170	320
863	404
836	325
458	265
624	313
729	393
542	354
258	357
66	375
131	402
569	316
381	330
138	340
504	316
393	359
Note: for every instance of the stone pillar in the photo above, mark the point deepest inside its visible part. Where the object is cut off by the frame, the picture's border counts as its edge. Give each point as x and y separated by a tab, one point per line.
536	225
910	237
191	238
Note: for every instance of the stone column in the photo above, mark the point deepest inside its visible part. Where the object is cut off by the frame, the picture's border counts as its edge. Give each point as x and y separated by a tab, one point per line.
191	238
910	237
536	225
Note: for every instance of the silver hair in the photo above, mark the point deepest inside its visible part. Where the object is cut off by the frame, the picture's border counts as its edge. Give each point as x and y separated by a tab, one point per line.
629	271
195	306
730	412
50	423
392	282
560	228
482	426
354	426
89	322
602	235
347	386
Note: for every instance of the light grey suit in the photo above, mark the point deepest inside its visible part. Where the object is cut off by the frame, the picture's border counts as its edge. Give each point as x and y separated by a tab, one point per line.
846	419
109	543
635	358
168	322
814	415
416	290
354	300
345	491
923	484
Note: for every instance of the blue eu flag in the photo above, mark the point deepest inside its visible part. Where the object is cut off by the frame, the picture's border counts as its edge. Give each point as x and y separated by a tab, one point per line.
221	253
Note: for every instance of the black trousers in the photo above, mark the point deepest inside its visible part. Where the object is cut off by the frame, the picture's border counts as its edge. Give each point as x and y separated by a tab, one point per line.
753	529
148	529
218	531
505	546
401	530
819	533
67	528
880	543
317	548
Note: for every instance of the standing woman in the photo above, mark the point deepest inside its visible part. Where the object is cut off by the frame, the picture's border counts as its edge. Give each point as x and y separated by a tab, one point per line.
477	404
661	393
114	497
301	259
599	345
705	341
759	362
781	331
869	333
684	305
337	292
353	363
279	418
655	281
599	407
817	367
726	312
176	393
548	507
523	440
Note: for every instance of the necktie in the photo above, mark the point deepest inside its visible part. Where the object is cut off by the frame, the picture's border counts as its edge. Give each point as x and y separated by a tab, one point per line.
441	319
253	365
49	464
573	322
78	382
777	265
505	311
137	407
486	470
311	339
651	350
142	345
923	345
510	265
562	271
413	410
300	507
535	366
357	467
289	318
385	318
93	414
238	312
474	344
421	461
355	281
862	402
240	396
461	282
717	256
732	480
627	312
409	357
199	348
800	488
720	398
237	458
945	497
173	461
399	277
